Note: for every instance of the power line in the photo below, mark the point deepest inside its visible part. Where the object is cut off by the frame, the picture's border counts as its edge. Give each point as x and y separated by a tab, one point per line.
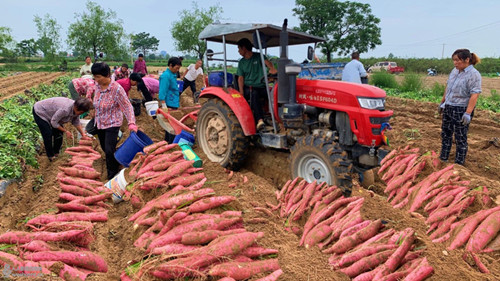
452	35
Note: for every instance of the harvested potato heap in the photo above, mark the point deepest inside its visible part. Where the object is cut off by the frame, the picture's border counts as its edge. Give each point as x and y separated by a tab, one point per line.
43	247
178	235
442	200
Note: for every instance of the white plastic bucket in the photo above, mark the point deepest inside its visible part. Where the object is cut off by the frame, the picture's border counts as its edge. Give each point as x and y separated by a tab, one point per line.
84	123
151	107
118	185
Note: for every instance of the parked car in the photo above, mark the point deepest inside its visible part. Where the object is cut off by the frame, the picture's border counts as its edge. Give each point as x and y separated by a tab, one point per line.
388	66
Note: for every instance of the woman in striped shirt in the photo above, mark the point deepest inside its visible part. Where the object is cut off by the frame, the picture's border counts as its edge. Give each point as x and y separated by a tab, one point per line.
110	103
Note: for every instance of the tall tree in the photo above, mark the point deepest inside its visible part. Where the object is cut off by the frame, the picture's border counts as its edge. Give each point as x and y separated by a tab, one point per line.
27	48
96	30
49	40
347	26
185	31
5	39
143	42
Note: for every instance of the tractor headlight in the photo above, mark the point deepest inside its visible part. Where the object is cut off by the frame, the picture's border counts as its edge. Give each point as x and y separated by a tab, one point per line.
371	103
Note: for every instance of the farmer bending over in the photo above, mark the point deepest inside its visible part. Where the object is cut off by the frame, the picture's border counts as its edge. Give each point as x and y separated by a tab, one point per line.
51	114
250	78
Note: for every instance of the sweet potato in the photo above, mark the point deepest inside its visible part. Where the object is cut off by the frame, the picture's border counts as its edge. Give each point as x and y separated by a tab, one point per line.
187	180
395	259
36	246
443	227
271	277
69	216
355	228
484	233
317	235
351	257
367	263
152	147
175	201
256	251
80	173
210	203
74	206
175	234
203	237
350	242
444	213
82	259
77	190
243	270
174	249
79	237
421	272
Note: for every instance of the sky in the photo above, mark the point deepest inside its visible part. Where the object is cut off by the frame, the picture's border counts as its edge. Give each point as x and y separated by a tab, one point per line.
410	29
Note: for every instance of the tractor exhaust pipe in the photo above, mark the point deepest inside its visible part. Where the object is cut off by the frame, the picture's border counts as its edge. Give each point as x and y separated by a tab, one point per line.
283	82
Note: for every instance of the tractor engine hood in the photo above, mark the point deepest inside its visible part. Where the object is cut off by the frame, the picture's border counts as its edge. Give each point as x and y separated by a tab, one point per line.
334	94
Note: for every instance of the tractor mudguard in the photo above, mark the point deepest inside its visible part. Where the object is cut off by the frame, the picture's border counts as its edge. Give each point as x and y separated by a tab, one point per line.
238	105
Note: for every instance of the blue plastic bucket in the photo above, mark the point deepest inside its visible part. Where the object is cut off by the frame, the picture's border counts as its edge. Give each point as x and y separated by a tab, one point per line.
133	144
186	136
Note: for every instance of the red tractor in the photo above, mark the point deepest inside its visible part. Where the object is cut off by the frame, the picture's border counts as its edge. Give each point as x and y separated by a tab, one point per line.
331	128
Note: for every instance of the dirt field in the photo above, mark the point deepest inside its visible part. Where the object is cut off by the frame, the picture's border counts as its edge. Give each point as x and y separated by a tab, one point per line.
414	123
489	84
21	81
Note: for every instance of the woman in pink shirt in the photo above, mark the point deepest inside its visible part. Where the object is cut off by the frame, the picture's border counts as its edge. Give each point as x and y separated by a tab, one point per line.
148	86
110	103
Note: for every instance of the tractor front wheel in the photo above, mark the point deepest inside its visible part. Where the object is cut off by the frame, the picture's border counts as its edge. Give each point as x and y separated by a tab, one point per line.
316	158
220	135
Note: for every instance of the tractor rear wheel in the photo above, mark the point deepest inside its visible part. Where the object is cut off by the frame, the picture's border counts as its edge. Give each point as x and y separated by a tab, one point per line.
320	159
220	135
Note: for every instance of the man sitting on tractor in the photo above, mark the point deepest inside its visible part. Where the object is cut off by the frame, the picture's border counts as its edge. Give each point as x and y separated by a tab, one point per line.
251	79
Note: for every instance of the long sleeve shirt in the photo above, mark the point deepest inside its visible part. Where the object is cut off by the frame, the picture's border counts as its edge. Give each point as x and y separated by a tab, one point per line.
152	84
110	105
57	111
119	74
461	85
140	67
169	91
84	86
125	83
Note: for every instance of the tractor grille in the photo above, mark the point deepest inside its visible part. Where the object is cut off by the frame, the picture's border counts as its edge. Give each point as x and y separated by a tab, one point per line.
379	120
376	131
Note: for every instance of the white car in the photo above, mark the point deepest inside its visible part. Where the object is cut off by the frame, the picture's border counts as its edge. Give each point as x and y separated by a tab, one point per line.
383	65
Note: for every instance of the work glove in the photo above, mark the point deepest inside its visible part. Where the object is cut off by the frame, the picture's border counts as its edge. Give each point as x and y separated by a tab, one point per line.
441	108
466	119
132	127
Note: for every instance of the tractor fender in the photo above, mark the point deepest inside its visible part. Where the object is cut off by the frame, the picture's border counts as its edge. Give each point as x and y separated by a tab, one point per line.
238	105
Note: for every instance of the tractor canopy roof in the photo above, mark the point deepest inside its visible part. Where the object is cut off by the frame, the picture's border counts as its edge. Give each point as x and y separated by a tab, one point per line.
269	34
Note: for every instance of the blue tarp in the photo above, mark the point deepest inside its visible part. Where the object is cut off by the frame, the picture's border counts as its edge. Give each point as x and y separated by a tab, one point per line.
322	71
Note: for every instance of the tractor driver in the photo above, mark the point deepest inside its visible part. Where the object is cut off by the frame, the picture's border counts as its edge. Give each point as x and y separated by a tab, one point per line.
250	79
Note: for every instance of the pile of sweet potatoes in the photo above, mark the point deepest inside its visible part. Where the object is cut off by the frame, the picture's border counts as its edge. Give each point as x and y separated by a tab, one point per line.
178	238
335	224
85	204
441	198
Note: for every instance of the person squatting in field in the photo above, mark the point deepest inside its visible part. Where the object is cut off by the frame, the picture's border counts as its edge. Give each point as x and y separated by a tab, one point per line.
458	103
51	114
110	103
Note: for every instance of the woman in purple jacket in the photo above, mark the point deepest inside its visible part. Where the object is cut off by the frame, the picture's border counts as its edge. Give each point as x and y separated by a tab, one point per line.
51	114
